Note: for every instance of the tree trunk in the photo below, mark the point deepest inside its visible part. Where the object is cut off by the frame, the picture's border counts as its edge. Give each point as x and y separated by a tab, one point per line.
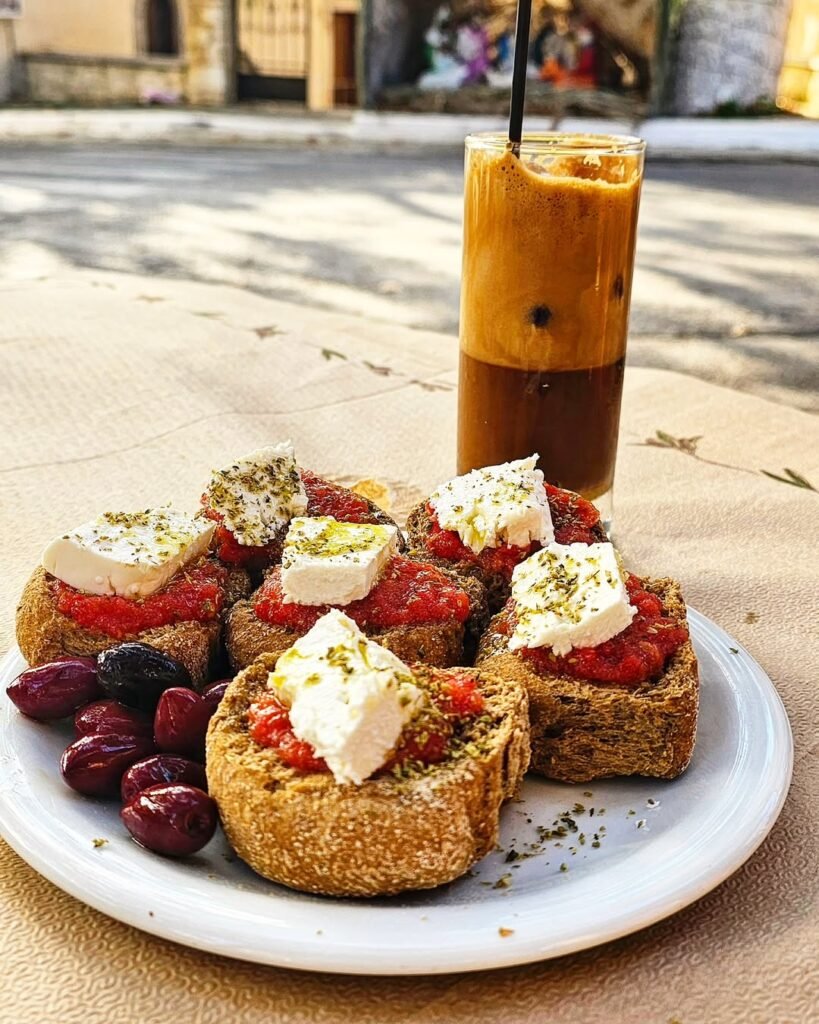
396	41
729	52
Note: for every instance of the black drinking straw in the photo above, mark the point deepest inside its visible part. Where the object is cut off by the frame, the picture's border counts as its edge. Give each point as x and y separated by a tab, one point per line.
519	75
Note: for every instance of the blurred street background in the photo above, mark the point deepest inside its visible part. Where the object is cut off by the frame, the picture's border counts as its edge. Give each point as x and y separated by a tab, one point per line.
288	196
726	286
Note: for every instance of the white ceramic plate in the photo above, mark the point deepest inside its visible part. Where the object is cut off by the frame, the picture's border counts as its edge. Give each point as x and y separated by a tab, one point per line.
662	845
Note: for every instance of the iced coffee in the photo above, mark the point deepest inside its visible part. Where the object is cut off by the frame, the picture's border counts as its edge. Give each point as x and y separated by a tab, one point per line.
549	236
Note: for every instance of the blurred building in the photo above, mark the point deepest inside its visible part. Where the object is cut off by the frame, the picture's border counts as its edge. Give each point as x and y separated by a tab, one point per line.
600	57
203	52
70	51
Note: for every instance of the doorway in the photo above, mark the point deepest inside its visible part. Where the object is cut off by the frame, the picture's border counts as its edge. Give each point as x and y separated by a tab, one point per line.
305	51
162	36
345	44
272	46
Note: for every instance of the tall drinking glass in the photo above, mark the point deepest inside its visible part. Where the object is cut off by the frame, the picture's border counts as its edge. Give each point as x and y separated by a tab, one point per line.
549	239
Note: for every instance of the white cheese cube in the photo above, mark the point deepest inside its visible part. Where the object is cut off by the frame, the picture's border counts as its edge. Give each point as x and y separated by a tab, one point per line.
259	494
569	595
496	505
348	697
131	554
328	562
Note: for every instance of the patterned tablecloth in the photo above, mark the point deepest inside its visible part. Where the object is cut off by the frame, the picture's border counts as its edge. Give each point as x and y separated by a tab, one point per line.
118	390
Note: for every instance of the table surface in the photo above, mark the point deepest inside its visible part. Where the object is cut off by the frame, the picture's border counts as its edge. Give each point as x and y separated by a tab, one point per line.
120	391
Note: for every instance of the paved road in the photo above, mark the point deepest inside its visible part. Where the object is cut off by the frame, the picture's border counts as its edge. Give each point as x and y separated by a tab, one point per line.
726	287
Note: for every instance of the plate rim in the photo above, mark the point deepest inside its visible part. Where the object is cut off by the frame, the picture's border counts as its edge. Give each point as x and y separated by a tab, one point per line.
318	954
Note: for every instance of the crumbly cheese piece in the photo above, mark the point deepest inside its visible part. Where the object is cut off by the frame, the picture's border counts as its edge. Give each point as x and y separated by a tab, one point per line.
348	697
497	505
328	562
258	494
131	554
569	595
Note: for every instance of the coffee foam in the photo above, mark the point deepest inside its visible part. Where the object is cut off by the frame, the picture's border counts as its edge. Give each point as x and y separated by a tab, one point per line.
548	260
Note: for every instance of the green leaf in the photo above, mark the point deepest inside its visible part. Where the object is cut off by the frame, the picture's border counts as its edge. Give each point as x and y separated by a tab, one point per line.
330	353
792	479
799	479
688	445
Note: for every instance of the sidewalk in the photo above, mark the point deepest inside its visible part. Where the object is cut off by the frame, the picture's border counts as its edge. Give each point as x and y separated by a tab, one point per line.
780	138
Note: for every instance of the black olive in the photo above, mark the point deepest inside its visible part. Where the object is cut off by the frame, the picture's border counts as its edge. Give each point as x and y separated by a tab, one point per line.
138	674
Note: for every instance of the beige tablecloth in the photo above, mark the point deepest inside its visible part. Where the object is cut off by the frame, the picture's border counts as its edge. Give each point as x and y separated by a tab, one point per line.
119	391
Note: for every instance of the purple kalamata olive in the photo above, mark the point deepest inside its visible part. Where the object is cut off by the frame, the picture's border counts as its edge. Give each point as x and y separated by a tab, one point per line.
214	692
181	722
57	689
109	716
136	674
175	820
160	770
94	765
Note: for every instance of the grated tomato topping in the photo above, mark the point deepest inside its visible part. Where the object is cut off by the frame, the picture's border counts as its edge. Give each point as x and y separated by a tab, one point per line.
457	697
575	520
195	594
406	593
635	656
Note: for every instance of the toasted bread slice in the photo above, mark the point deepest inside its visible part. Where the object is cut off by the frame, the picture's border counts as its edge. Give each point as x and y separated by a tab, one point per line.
585	730
387	835
437	644
247	637
44	633
498	585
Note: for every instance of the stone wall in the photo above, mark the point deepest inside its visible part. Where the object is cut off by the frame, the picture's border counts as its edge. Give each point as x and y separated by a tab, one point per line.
63	71
729	52
58	79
